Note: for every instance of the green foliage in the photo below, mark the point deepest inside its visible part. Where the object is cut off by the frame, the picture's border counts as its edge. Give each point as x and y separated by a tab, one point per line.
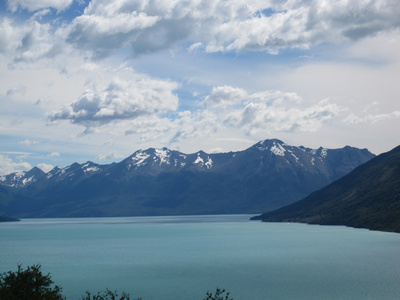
28	284
218	295
107	295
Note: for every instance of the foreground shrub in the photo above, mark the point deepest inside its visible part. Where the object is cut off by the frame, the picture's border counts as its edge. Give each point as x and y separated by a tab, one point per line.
31	284
107	295
218	295
28	284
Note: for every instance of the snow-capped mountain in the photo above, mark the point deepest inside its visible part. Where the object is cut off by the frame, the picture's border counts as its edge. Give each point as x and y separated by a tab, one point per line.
266	176
74	172
21	179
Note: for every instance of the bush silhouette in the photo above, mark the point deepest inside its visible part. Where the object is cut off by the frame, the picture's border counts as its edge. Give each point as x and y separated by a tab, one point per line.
107	295
218	295
31	284
28	284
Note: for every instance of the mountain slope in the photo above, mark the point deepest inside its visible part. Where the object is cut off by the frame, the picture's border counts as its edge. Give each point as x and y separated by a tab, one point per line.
368	197
264	177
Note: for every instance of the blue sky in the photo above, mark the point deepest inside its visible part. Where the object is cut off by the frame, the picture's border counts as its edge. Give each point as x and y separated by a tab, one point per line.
98	80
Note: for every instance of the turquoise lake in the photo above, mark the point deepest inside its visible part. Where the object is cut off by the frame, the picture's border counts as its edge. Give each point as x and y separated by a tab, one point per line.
183	257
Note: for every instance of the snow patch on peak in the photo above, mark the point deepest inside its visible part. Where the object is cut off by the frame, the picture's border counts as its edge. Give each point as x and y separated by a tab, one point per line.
92	169
324	152
56	170
278	149
163	154
87	168
199	160
295	157
139	158
209	163
25	181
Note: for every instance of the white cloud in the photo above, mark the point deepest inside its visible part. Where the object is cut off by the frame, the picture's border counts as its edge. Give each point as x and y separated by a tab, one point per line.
120	100
9	35
192	125
29	41
45	167
223	96
256	117
8	166
106	32
353	119
33	5
28	142
109	156
150	26
21	89
54	154
182	127
270	111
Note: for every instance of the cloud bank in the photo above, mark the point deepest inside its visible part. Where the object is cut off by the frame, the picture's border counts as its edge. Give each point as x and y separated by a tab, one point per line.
221	26
140	73
148	26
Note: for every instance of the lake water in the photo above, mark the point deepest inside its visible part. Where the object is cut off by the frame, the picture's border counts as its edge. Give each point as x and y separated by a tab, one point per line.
167	258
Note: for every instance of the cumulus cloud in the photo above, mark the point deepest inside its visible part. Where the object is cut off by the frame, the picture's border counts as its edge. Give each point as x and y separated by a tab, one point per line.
33	5
106	32
229	107
223	96
8	166
256	117
172	129
151	126
45	167
226	96
270	111
149	26
29	41
191	125
120	100
7	32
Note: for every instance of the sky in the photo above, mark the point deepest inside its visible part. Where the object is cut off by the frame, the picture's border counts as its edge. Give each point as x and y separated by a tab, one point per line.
98	80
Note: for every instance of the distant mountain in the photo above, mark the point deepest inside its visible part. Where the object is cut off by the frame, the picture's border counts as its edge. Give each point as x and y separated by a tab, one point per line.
21	179
264	177
368	197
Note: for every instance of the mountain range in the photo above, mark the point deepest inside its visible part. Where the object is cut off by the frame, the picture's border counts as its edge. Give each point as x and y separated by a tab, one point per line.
262	178
367	197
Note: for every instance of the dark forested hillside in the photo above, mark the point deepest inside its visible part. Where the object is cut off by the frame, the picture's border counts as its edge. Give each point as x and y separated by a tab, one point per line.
368	197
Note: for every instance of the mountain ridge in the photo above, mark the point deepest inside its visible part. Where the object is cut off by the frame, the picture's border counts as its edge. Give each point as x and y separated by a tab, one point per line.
265	176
